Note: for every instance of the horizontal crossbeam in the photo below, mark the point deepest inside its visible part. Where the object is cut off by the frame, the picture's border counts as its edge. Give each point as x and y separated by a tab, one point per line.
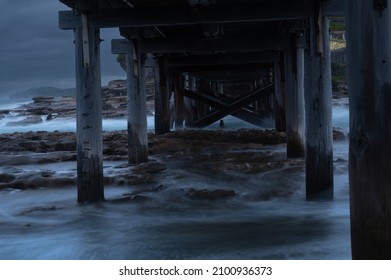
170	16
221	13
203	45
221	59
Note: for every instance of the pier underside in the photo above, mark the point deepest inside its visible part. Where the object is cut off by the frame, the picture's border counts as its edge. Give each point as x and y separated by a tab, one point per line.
252	60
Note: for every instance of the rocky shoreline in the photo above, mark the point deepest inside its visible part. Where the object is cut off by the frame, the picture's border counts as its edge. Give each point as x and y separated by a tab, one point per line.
47	108
220	152
213	152
28	160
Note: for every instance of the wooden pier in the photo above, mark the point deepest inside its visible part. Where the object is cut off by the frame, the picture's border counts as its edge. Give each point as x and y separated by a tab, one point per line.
248	59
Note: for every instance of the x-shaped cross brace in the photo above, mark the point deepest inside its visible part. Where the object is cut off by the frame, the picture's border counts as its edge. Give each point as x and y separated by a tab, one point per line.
235	108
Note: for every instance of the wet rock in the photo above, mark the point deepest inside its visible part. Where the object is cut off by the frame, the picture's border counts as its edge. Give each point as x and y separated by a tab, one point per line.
241	136
40	179
47	173
40	99
134	179
209	194
122	165
119	87
268	195
4	112
339	134
40	111
158	188
27	121
65	145
49	117
149	167
40	209
36	158
6	178
129	198
12	170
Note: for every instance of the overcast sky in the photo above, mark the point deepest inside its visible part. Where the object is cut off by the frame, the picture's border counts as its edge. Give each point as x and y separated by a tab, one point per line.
34	52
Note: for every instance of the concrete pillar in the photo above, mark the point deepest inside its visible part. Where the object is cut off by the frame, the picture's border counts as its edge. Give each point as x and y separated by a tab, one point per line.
369	79
89	114
137	113
319	140
295	116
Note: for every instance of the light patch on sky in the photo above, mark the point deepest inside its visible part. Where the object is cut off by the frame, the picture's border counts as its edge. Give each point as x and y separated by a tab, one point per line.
35	53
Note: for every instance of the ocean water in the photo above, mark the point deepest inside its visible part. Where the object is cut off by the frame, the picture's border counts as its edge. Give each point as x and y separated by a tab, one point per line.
340	119
63	125
47	223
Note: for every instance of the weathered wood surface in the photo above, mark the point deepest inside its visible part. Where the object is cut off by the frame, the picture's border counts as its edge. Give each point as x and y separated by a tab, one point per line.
231	108
179	100
162	109
137	113
228	12
221	59
136	93
163	16
89	117
294	92
369	79
198	44
279	92
218	104
319	141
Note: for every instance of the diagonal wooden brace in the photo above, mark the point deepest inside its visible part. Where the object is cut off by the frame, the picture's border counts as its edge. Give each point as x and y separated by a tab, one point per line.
223	109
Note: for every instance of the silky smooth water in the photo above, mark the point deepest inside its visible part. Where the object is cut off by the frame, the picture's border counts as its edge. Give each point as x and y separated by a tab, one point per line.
47	223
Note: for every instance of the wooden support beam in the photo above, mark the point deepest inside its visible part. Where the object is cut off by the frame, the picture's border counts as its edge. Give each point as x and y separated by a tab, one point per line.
265	57
295	118
334	8
89	116
202	45
188	45
233	73
169	16
213	101
180	15
218	104
231	108
137	112
179	100
162	109
137	115
319	142
279	93
369	79
249	117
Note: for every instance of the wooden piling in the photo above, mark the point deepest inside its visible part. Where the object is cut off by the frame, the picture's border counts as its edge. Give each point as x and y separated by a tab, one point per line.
89	115
279	93
319	140
179	100
369	79
137	114
162	109
295	117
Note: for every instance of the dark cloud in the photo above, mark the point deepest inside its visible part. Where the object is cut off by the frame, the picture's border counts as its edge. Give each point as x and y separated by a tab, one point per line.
34	52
